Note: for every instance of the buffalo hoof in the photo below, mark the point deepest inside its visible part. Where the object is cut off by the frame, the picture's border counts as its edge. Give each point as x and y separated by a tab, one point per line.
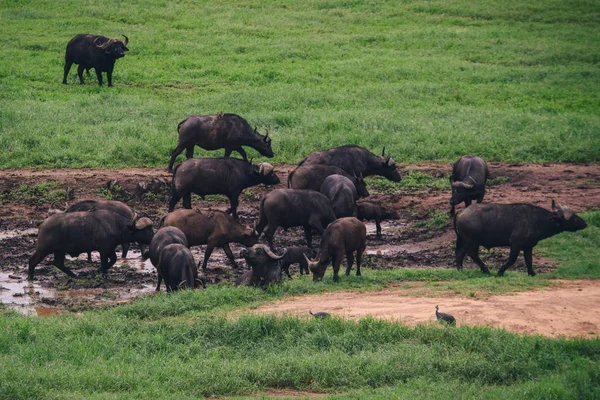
500	273
485	271
532	274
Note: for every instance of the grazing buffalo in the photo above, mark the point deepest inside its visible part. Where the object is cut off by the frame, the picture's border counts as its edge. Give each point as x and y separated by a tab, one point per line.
469	175
228	176
98	52
162	238
295	255
291	207
311	177
177	267
369	211
356	161
342	237
212	228
265	266
221	131
519	226
342	194
79	232
110	205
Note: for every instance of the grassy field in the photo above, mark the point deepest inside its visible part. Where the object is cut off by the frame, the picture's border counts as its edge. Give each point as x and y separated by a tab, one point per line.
184	345
430	80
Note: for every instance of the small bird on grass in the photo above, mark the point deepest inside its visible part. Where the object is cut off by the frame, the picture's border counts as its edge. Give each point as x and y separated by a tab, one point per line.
444	318
320	314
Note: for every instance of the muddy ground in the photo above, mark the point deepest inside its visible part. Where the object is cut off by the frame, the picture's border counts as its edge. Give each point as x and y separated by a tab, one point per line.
27	197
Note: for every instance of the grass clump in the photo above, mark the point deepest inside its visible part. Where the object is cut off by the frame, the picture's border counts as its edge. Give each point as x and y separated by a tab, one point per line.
39	194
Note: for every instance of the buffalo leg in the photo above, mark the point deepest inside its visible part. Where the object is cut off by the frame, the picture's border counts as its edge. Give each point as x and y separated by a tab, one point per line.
242	152
378	226
234	202
59	261
286	267
269	234
99	76
359	254
209	250
175	197
460	252
159	280
473	251
80	74
68	64
109	78
527	254
350	259
308	235
125	249
514	253
89	254
229	254
468	202
189	151
175	153
34	260
336	262
187	201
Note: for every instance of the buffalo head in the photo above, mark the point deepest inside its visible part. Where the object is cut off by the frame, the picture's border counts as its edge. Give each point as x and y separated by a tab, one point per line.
388	168
265	173
461	190
114	46
264	145
361	186
567	218
317	267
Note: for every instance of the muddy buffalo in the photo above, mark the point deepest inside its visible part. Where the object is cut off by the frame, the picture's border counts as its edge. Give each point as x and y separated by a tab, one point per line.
291	207
469	175
162	238
311	177
356	161
370	211
518	226
221	131
227	176
295	255
211	228
342	237
342	194
177	267
265	266
80	232
91	51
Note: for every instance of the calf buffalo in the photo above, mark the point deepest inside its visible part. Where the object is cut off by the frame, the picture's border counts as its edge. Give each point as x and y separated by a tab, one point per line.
519	226
356	161
228	176
342	194
469	175
162	238
344	236
295	255
78	232
212	132
265	266
98	52
374	212
177	267
212	228
311	177
291	207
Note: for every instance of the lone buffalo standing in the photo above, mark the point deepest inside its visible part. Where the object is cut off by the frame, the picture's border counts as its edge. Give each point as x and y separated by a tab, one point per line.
98	52
221	131
79	232
469	175
519	226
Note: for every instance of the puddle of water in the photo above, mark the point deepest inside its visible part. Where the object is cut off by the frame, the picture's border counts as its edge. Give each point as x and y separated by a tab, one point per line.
15	233
387	228
409	248
19	294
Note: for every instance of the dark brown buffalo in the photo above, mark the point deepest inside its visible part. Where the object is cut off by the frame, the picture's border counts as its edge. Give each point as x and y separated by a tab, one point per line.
291	207
342	237
91	51
342	194
369	211
177	267
469	175
265	266
519	226
227	176
79	232
312	176
221	131
212	228
110	205
162	238
356	161
295	255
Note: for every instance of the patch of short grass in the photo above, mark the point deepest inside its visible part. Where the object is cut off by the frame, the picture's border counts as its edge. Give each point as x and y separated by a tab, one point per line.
38	194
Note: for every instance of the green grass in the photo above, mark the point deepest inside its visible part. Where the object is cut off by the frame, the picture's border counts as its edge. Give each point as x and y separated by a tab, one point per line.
430	80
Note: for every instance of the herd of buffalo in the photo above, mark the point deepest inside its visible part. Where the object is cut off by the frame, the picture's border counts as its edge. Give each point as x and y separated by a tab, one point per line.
322	196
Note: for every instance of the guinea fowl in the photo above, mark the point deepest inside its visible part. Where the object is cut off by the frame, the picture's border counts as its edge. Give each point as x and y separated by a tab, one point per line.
445	318
320	314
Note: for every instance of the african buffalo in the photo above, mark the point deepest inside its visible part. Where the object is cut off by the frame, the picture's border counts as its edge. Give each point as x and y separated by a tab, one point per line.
295	255
519	226
228	176
343	236
98	52
291	207
369	211
162	238
212	132
469	175
177	267
356	161
342	194
312	176
212	228
74	233
265	266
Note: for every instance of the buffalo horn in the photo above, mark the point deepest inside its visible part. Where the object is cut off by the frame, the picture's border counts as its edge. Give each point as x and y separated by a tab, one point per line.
126	39
462	185
269	252
143	222
106	44
383	152
265	168
471	178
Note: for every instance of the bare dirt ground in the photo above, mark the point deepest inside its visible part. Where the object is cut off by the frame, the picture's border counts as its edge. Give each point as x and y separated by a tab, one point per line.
569	309
403	245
